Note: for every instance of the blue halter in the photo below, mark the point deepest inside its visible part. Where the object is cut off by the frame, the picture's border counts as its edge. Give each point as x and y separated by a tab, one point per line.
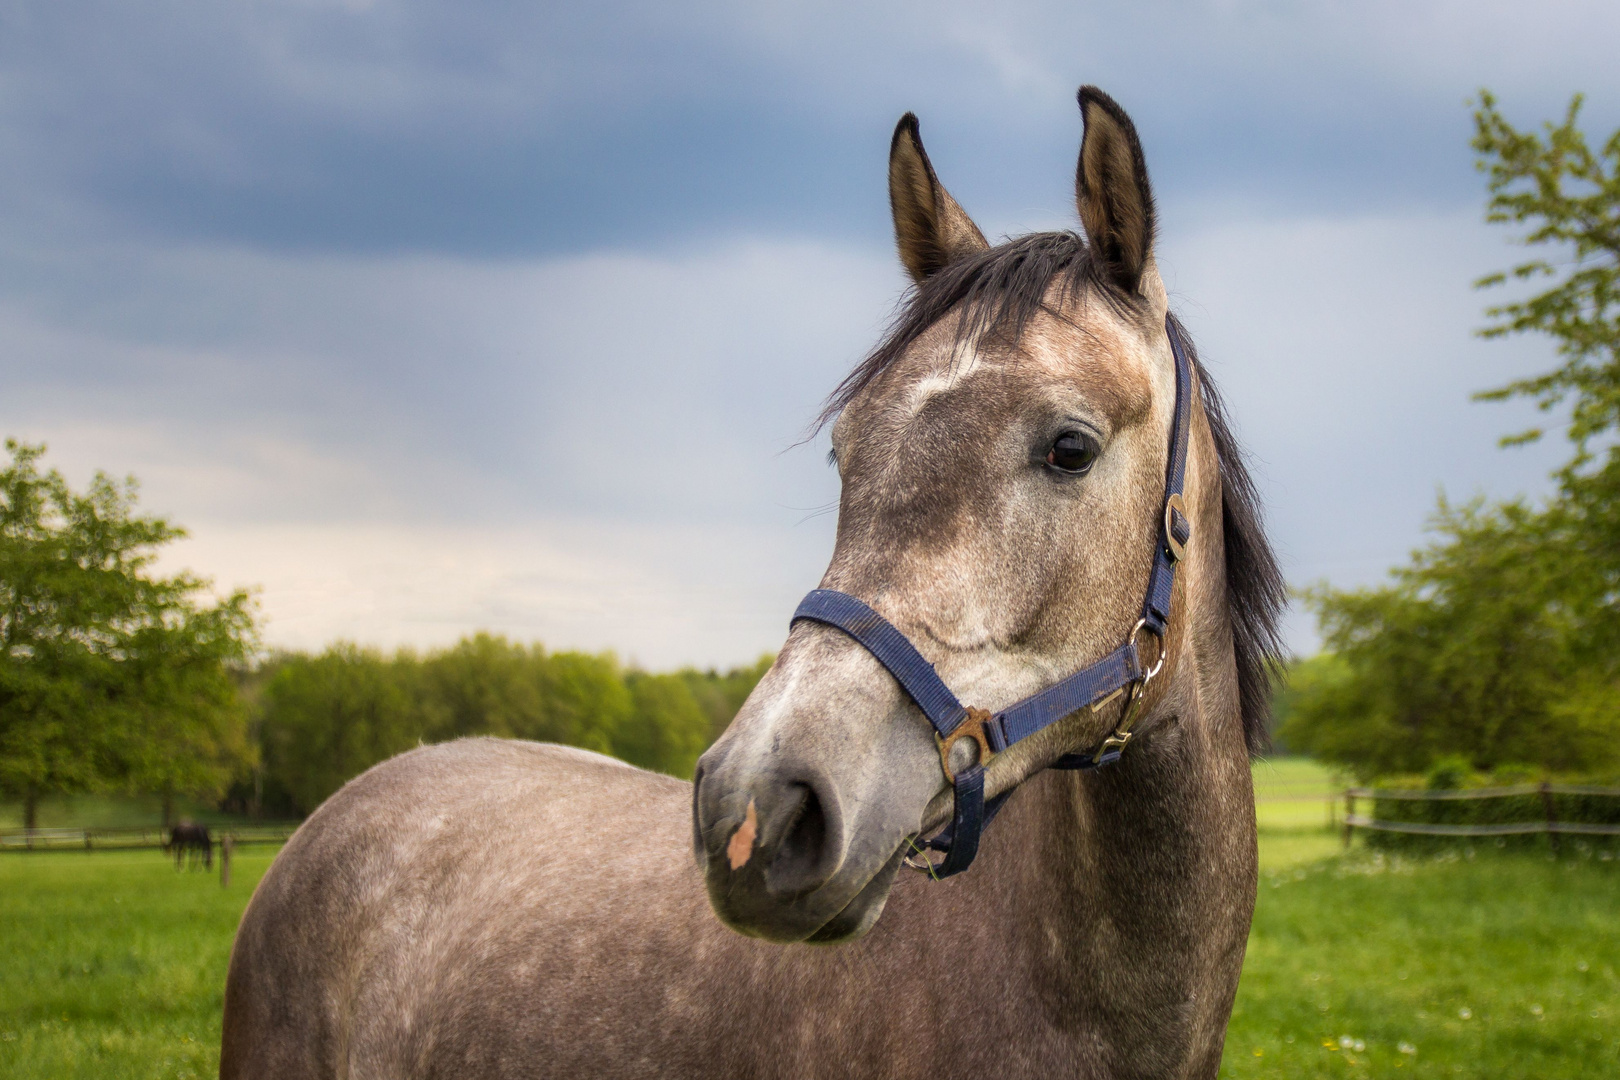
1121	672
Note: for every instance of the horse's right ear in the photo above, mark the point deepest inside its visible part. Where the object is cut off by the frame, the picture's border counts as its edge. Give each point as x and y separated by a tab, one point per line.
930	229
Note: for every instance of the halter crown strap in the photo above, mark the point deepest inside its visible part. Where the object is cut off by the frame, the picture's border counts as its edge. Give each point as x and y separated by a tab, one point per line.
1090	687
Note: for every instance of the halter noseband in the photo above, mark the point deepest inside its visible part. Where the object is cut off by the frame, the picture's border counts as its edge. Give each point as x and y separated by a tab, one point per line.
1120	672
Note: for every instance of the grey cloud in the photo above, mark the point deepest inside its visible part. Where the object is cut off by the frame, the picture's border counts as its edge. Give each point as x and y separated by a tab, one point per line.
499	128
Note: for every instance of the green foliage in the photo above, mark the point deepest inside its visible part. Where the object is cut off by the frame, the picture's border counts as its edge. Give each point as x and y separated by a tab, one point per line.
1468	652
1570	198
666	729
330	717
1457	773
721	694
1500	642
110	676
325	719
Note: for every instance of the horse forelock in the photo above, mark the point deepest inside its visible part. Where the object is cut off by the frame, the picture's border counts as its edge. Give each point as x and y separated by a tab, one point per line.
993	296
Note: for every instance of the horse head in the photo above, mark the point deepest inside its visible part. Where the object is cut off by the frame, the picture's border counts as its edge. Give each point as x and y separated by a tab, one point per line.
1003	459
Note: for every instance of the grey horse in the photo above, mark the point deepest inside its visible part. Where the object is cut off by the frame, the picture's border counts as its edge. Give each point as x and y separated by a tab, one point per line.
490	908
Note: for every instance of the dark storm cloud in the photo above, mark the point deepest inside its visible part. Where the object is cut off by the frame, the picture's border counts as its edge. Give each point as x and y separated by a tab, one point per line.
430	317
520	129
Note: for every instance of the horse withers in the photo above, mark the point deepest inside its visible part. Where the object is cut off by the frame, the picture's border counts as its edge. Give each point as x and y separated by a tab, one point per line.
491	908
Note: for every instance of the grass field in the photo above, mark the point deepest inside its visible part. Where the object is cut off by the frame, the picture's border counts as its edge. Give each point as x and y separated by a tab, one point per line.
1499	965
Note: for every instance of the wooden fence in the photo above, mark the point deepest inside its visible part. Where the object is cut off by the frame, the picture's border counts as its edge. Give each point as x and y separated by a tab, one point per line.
1548	822
136	836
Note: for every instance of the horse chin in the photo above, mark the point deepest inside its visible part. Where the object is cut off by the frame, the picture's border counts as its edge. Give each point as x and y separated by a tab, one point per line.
861	914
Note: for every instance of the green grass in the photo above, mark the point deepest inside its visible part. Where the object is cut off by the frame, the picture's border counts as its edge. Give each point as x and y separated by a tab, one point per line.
113	964
1296	805
1501	965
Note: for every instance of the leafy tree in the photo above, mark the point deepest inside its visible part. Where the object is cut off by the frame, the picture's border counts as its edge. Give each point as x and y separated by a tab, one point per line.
585	702
1569	197
330	717
110	676
1501	641
1468	652
721	694
666	729
485	685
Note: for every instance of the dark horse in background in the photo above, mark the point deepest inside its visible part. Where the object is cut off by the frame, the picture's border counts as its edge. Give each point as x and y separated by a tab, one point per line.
489	908
190	843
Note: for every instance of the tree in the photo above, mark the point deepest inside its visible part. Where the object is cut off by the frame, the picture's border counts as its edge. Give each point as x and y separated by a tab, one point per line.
1501	641
485	685
721	695
110	676
1468	652
666	729
330	717
1570	199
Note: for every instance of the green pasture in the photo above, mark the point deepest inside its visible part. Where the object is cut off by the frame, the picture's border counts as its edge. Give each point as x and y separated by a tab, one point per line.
1490	965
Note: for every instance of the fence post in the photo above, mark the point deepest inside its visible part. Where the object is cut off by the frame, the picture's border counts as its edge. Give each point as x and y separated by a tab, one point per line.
1349	812
226	842
1552	818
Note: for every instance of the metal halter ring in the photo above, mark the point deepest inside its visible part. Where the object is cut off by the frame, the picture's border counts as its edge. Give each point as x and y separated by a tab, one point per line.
1164	650
971	727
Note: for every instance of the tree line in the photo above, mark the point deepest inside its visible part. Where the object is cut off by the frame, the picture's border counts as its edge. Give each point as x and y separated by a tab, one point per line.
316	721
1497	648
114	678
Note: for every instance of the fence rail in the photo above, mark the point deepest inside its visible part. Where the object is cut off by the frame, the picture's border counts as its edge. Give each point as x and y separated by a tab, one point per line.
135	836
1547	823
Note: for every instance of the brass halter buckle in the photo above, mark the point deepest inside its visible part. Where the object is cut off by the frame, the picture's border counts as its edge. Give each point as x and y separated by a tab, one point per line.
972	727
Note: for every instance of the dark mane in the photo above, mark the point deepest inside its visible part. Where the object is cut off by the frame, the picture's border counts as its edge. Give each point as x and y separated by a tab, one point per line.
996	293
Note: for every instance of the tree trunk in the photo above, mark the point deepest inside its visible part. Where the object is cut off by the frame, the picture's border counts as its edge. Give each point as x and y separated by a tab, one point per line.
30	809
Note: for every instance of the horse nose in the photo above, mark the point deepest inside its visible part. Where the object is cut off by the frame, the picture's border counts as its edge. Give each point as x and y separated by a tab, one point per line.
781	828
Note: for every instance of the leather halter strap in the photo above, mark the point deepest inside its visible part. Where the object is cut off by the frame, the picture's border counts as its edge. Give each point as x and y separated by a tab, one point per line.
1120	672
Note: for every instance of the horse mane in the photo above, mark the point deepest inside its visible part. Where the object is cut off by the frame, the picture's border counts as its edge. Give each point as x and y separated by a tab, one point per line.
995	293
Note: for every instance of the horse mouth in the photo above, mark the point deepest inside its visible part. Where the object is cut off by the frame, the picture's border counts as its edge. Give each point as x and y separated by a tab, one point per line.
861	913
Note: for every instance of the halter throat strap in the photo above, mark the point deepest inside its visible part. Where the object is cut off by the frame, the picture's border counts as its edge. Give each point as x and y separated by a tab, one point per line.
1120	673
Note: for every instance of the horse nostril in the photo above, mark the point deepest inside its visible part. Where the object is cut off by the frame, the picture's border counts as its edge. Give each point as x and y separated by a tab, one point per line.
800	864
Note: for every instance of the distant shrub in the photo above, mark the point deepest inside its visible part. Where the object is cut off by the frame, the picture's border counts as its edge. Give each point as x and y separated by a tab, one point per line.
1455	774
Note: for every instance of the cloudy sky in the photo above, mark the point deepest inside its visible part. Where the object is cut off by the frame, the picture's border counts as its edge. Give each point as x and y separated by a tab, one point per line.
426	317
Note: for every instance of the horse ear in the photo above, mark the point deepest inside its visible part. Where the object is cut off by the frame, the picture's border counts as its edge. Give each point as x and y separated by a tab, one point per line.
1111	186
930	229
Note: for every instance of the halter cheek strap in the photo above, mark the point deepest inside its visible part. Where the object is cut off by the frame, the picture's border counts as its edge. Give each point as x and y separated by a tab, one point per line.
1121	672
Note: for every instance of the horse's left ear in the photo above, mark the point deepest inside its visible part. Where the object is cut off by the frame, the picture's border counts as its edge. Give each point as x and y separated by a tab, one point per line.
1111	186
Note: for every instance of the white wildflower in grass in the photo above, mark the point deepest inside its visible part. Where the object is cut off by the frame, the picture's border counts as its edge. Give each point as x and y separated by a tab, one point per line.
1535	1010
1346	1042
1580	966
1360	1046
1406	1048
1465	1013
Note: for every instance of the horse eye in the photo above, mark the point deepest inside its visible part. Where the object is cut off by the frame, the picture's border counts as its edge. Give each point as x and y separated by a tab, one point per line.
1073	452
